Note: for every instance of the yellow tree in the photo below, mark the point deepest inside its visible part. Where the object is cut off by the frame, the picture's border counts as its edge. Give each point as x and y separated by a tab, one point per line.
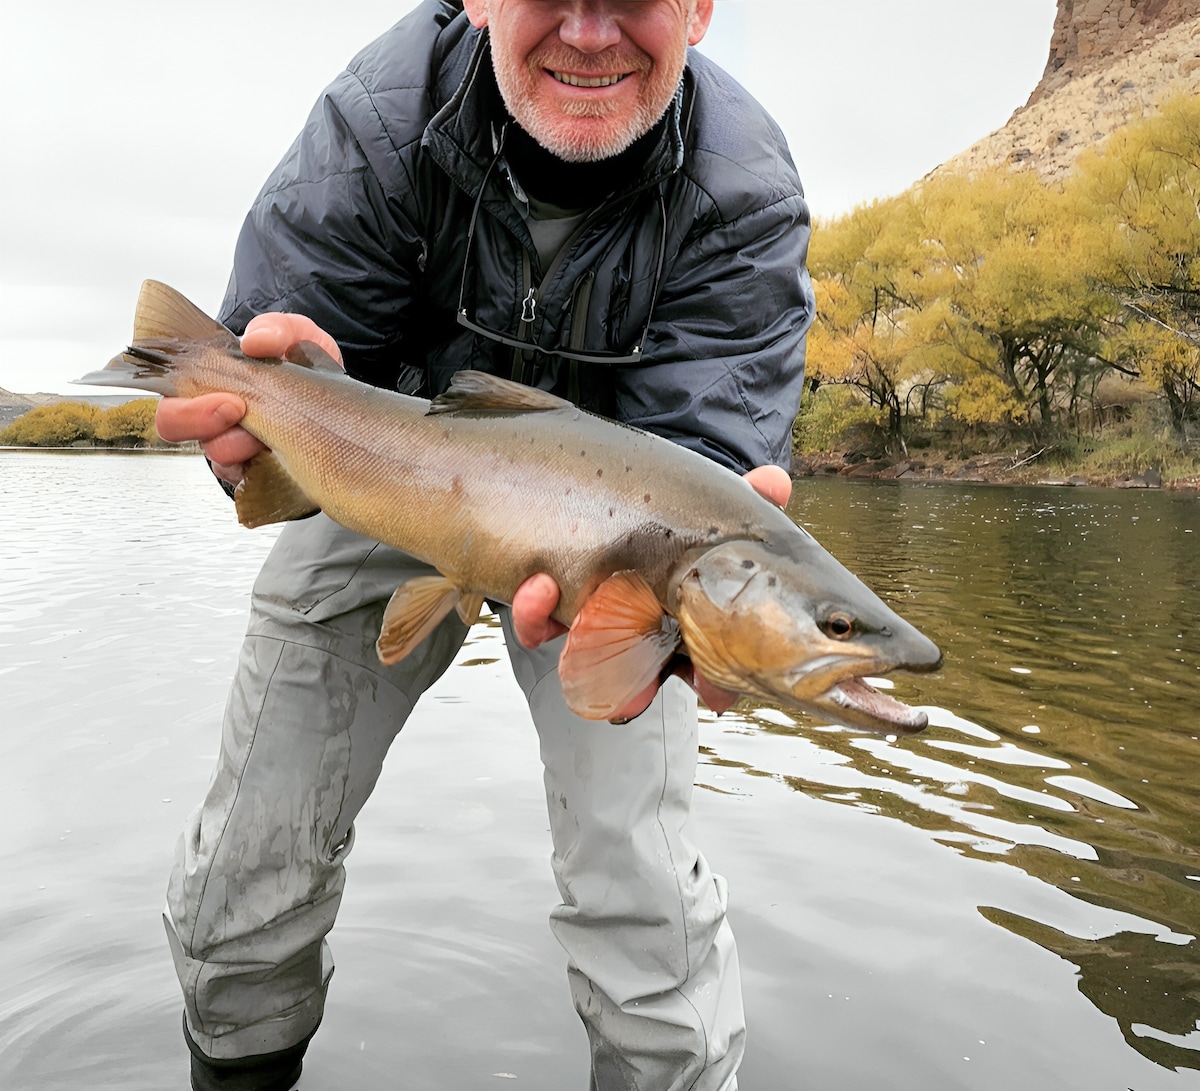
130	424
1142	186
1009	303
57	425
862	270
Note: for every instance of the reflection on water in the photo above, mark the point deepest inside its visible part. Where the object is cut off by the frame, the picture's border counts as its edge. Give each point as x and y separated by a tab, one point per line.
1010	898
1068	619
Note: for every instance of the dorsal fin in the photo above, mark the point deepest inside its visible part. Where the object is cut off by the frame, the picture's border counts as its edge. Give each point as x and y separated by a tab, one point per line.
165	315
478	392
311	355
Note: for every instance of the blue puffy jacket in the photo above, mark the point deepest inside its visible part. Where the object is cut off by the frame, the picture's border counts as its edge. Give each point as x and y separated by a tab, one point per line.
363	227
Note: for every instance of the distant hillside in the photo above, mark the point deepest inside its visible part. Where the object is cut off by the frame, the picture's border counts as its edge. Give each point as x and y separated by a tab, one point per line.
1110	61
13	405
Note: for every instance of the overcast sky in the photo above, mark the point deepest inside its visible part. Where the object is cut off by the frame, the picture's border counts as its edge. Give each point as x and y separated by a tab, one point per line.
134	134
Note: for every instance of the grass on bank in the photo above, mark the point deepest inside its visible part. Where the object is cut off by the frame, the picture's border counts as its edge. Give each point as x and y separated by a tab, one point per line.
837	422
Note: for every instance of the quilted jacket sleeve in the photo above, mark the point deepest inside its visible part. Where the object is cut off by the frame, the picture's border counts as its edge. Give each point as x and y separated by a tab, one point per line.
328	238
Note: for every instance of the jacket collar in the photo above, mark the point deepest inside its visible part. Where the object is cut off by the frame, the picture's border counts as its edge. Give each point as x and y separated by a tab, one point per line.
466	134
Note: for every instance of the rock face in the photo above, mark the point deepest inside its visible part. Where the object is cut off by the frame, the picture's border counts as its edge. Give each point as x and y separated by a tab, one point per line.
1111	61
1090	34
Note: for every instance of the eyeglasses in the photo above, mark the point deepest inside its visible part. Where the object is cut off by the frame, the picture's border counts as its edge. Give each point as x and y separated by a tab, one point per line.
529	305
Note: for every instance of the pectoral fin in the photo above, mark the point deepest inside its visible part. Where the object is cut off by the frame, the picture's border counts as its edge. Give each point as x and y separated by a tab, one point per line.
269	494
412	613
618	644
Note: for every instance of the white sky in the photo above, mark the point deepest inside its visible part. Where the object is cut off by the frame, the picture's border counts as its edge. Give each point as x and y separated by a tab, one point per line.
135	133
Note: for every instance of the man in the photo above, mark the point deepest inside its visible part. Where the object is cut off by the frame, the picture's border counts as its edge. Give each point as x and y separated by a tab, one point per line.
558	191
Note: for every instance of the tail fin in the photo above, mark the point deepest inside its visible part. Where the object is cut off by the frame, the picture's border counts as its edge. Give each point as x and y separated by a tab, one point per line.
165	315
164	327
135	369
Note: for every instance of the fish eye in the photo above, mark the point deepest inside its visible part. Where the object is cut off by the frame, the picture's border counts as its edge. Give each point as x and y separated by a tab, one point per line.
839	626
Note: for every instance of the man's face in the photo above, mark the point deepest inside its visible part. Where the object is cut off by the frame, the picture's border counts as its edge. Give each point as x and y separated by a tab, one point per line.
586	78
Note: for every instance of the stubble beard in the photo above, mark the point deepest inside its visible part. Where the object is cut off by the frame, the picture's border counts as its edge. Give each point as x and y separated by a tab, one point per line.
584	132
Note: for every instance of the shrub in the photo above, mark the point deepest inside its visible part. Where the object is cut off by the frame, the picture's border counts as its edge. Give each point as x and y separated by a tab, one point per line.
57	425
838	418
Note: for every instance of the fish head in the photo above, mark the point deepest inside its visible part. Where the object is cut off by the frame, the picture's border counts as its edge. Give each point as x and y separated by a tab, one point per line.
799	629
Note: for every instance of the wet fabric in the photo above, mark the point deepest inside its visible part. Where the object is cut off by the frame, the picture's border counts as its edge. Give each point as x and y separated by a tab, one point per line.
259	870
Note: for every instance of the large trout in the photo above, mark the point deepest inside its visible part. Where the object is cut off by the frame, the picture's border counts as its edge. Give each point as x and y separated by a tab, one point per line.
657	550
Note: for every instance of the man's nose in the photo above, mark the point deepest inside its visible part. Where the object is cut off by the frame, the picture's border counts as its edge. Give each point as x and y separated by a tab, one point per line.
590	26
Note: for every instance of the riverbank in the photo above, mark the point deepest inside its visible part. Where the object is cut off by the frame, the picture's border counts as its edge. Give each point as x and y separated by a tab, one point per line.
991	469
932	467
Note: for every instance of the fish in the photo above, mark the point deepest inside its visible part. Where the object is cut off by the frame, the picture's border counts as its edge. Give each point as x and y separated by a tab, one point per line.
660	554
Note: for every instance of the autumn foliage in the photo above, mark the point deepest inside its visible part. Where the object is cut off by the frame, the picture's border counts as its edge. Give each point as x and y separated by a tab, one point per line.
1000	301
66	424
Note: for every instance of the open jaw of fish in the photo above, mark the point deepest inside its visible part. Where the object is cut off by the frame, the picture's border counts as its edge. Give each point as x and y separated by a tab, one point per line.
777	628
658	552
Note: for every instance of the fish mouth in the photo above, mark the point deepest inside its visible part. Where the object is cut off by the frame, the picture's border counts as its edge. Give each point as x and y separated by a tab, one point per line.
855	702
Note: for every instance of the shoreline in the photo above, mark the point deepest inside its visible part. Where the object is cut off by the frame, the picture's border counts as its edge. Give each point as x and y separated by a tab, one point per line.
935	469
97	449
941	468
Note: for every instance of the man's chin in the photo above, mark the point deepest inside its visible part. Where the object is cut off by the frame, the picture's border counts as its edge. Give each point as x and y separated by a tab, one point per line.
585	139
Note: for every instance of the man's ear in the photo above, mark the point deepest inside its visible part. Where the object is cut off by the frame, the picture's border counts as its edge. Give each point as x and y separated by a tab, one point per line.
698	23
477	11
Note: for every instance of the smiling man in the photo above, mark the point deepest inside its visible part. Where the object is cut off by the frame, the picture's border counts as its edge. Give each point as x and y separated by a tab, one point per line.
561	192
586	83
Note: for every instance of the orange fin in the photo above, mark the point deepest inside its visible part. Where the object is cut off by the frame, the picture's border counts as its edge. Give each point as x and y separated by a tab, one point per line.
478	392
618	644
412	613
269	494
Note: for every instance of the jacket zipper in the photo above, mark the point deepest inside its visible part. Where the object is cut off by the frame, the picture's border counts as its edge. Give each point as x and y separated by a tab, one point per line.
531	296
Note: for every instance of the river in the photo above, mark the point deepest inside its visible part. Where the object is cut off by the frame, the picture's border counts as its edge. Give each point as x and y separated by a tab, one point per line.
1009	899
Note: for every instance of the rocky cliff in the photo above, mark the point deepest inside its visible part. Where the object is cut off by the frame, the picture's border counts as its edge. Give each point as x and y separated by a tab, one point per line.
1089	35
1110	61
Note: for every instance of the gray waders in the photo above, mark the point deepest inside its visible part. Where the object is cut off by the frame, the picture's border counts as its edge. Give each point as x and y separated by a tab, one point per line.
259	871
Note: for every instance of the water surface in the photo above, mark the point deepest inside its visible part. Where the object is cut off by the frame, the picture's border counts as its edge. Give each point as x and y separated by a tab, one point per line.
1011	898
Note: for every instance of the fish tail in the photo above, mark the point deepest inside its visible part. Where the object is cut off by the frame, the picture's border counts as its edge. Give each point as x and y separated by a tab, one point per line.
165	329
137	368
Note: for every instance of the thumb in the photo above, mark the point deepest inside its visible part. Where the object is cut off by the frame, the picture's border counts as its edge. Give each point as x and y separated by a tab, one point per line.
273	333
773	482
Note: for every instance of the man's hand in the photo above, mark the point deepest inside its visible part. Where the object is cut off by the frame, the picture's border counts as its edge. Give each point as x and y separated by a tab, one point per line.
537	597
212	419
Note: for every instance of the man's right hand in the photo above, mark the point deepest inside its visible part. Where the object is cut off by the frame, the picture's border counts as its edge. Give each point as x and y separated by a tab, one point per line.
212	419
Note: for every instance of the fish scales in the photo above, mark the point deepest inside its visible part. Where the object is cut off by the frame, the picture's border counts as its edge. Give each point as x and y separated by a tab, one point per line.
554	491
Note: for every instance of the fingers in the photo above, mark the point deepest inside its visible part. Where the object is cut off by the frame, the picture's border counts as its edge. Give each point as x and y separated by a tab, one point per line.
532	606
231	450
773	482
272	334
210	419
201	418
231	473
